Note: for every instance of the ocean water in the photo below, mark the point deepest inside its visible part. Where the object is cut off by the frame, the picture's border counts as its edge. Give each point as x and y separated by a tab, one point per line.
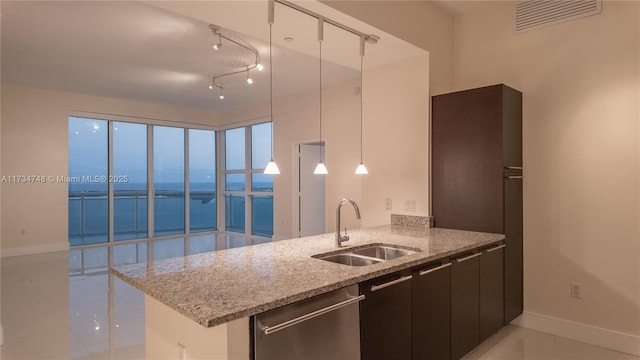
88	211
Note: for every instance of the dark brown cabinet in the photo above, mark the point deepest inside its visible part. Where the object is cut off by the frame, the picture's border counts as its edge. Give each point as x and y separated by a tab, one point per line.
385	317
477	172
465	304
431	308
491	291
513	253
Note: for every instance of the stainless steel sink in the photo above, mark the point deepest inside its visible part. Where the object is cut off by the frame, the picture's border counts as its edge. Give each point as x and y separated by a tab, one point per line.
383	252
367	255
350	259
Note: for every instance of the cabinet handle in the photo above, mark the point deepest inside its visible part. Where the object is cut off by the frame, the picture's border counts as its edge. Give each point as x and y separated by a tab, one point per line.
425	272
513	167
390	283
468	257
511	177
495	248
271	329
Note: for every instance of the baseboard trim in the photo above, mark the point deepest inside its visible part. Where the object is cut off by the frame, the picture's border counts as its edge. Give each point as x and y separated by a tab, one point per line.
34	249
610	339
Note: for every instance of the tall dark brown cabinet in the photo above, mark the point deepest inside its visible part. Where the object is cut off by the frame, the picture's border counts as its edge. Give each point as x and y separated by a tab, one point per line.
477	172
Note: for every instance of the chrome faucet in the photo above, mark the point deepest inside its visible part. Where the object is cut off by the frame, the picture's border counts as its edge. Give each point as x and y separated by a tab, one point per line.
341	238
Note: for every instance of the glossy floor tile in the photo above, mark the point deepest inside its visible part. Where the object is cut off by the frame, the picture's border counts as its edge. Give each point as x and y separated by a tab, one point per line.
513	342
65	305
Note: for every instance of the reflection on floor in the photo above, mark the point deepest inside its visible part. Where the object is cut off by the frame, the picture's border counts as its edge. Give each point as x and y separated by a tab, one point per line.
513	343
65	305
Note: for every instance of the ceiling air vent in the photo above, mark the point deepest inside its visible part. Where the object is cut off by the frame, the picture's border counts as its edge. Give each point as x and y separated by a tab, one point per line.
532	14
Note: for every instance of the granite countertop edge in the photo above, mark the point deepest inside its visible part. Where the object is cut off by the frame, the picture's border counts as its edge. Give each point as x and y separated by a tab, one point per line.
173	287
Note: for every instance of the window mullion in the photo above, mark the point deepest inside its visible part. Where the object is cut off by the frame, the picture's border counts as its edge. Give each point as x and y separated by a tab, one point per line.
222	181
248	181
150	184
110	195
187	220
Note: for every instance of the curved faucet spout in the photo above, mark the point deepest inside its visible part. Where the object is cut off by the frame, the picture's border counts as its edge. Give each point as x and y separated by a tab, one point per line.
345	237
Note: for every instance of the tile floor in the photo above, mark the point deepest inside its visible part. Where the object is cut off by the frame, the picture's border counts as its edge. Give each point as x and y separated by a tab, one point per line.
65	305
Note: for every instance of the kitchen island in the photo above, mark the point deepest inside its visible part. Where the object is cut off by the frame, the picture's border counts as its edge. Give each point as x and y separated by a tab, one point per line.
220	290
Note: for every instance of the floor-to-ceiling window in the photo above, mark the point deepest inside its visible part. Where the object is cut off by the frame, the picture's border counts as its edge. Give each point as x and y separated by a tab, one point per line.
129	180
88	185
261	183
202	184
168	180
130	215
133	181
248	192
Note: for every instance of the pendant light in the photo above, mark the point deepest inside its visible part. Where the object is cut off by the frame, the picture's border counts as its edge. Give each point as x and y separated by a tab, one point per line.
361	169
321	169
272	167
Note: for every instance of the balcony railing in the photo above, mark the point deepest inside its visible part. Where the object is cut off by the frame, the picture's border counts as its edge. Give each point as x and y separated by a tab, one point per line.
89	212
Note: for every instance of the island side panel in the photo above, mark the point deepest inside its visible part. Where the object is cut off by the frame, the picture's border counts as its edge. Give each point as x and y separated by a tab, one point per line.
170	335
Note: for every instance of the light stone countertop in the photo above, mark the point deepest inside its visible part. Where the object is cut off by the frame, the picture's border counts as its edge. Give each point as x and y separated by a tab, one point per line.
217	287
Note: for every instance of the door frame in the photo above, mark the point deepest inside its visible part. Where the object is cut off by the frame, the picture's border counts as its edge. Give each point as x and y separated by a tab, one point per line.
295	180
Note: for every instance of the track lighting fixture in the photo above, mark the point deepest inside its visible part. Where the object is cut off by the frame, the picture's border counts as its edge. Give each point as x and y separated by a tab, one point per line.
256	64
249	79
221	96
217	46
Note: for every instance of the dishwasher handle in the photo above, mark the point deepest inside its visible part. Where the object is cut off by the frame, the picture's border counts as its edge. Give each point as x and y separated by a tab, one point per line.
271	329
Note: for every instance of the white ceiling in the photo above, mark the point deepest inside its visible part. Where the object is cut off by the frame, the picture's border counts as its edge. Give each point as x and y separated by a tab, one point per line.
139	51
456	7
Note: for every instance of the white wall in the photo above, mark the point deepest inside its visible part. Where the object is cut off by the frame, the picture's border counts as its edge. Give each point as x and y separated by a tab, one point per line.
581	85
421	23
395	139
34	142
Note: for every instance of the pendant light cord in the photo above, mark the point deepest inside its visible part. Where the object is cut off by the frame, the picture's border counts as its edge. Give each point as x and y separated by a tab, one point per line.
320	143
361	100
271	87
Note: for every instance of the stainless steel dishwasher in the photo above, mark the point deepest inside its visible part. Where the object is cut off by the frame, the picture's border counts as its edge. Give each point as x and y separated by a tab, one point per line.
324	327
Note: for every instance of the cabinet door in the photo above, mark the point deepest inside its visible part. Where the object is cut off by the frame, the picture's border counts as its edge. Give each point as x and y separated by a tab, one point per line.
513	262
465	305
431	308
385	318
466	141
491	291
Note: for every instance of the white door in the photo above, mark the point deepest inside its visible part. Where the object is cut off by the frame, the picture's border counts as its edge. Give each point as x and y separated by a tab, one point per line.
311	191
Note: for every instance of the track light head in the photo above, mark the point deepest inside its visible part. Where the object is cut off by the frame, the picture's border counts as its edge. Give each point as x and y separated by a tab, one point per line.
217	46
260	67
249	79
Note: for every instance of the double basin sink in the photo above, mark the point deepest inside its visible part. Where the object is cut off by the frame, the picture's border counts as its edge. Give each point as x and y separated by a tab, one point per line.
367	255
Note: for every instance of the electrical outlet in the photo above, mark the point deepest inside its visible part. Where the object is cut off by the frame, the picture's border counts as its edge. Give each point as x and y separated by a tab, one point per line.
387	204
410	205
23	231
576	290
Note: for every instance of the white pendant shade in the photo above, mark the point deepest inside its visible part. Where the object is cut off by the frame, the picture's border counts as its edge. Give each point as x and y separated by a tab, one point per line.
361	169
272	168
320	169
